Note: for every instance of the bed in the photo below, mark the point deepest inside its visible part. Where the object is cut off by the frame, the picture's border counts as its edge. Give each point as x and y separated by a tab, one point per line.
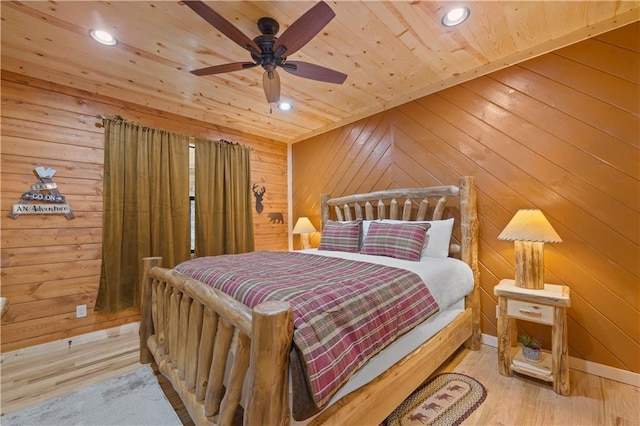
229	362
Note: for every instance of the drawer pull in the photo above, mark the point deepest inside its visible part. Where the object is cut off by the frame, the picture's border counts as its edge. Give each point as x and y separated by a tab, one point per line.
533	311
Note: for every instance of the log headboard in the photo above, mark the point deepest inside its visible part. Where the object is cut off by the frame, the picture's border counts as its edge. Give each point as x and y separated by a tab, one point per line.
414	204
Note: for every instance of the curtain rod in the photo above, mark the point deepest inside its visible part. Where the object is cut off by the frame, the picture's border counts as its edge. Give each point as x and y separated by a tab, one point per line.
109	117
120	118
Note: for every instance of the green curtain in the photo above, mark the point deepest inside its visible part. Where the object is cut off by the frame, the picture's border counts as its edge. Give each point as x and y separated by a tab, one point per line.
146	208
224	220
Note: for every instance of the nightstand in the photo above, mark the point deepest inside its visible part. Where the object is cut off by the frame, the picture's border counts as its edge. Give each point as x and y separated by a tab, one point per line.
546	306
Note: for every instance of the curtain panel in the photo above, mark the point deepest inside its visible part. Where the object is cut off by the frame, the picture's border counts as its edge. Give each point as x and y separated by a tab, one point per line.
146	208
223	216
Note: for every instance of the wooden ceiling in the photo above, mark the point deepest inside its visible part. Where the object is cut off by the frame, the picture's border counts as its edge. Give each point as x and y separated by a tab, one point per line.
393	52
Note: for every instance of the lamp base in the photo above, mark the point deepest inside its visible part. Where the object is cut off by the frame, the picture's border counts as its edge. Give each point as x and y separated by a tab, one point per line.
305	241
529	264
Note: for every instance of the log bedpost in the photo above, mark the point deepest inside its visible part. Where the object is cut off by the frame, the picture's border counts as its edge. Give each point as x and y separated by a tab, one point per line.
325	213
146	322
272	328
469	253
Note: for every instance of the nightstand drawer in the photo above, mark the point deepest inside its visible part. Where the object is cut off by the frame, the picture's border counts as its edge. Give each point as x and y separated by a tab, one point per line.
530	311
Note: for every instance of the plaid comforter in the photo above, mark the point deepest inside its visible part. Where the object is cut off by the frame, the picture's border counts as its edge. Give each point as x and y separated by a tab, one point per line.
344	311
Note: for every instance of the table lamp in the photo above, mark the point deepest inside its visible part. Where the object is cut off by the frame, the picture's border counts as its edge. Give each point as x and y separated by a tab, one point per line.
529	230
304	227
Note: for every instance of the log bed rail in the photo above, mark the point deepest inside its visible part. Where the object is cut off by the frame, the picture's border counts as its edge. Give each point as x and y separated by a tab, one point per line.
196	333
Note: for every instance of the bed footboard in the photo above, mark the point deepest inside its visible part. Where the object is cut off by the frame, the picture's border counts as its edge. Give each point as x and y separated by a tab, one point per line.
195	334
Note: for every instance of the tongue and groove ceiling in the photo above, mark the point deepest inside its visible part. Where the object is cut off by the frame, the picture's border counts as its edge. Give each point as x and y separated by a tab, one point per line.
393	52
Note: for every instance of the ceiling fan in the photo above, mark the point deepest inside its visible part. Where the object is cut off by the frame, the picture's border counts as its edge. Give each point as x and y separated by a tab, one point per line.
271	52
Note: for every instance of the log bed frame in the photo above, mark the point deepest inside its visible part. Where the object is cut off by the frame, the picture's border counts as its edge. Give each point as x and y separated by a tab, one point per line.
189	328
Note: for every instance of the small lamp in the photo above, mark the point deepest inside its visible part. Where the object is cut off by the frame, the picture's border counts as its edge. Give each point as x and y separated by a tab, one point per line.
529	230
304	227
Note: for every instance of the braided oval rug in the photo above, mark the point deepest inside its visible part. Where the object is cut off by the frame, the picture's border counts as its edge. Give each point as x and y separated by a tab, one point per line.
446	399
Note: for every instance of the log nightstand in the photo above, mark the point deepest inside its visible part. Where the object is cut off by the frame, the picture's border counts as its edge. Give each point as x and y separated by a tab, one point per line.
546	306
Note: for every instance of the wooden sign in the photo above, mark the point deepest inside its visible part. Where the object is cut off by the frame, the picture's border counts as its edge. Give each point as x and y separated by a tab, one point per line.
43	198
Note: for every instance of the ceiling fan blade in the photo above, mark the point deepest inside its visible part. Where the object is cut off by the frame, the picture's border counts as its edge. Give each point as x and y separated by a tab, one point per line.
303	29
314	72
271	84
222	25
219	69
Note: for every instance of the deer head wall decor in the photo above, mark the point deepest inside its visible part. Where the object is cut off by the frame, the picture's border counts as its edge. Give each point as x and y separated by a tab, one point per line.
258	192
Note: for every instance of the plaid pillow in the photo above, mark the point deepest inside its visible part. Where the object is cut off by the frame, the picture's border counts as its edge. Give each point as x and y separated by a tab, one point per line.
341	236
436	244
401	241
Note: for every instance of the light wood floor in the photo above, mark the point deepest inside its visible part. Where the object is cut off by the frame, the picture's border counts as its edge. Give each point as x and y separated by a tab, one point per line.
38	374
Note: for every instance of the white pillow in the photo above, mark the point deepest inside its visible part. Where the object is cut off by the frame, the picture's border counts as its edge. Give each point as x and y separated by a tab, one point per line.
365	229
438	237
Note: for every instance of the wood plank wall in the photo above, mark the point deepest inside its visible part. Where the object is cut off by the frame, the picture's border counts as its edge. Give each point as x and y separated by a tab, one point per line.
559	133
51	264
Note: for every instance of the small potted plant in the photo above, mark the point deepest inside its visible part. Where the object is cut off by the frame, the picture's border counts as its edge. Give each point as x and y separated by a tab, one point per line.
531	347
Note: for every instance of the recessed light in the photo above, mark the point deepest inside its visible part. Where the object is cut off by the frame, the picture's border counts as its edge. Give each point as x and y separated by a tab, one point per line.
103	37
284	106
455	16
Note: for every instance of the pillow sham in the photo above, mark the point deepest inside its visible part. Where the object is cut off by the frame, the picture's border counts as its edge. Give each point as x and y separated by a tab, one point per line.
397	240
438	236
341	236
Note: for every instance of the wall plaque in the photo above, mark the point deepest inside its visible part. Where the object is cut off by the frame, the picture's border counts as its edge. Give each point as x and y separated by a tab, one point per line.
43	198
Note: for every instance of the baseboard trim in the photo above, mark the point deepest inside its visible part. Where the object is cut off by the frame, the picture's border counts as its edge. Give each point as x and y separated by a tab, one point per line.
489	340
74	340
600	370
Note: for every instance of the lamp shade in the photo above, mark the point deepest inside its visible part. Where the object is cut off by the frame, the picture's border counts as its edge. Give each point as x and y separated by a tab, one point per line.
530	225
303	226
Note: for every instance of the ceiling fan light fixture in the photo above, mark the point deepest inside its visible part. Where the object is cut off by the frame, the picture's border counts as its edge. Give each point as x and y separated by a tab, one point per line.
270	52
285	106
455	16
103	37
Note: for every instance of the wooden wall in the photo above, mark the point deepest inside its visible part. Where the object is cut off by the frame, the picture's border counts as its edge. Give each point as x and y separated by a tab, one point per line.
51	264
559	133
